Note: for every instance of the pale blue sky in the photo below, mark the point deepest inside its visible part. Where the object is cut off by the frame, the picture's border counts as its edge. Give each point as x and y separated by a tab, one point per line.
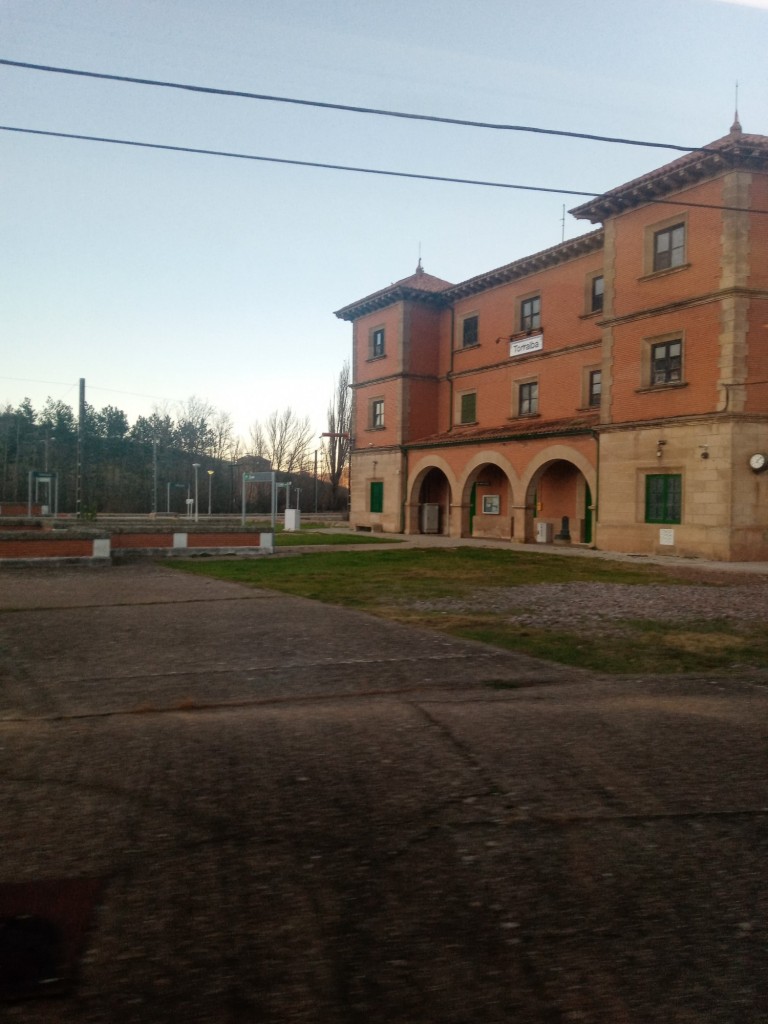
158	275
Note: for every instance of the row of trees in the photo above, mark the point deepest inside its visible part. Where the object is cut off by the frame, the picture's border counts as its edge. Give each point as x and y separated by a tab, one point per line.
148	465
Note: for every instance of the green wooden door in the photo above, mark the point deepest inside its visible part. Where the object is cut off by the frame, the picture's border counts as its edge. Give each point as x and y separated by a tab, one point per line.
588	513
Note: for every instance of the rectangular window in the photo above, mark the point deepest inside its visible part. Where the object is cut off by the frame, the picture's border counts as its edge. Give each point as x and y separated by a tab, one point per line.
468	411
469	332
596	294
377	496
528	399
663	498
377	413
530	313
667	362
669	247
595	387
377	343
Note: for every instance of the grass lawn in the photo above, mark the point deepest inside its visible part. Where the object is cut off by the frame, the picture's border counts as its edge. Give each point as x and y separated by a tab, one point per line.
397	584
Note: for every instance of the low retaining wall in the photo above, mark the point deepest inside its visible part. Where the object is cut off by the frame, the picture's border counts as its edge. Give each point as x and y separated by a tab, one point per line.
104	546
45	547
121	541
20	508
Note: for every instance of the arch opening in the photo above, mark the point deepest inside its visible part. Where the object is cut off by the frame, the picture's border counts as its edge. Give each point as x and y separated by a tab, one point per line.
558	503
487	508
433	503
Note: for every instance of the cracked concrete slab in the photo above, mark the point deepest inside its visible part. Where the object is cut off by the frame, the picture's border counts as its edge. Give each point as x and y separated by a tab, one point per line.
305	814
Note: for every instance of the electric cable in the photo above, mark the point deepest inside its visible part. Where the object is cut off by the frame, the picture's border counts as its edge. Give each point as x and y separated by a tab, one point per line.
348	107
360	170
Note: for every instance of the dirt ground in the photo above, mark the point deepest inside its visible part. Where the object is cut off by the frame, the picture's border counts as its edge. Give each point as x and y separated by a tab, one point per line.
235	806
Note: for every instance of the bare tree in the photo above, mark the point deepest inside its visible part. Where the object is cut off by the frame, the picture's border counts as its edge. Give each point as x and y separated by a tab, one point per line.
258	445
284	439
224	441
337	445
194	429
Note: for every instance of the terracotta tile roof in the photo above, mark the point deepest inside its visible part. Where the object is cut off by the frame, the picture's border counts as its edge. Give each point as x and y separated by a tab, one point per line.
528	265
513	431
423	281
419	285
735	150
428	288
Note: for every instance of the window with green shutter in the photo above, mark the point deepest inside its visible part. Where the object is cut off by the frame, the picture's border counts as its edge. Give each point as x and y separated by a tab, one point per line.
377	496
469	407
663	498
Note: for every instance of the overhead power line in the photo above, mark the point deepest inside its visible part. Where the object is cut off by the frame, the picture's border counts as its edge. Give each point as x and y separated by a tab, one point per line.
350	108
295	163
357	170
91	387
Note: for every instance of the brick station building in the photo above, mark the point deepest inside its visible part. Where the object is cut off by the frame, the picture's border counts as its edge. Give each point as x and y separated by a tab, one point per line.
611	390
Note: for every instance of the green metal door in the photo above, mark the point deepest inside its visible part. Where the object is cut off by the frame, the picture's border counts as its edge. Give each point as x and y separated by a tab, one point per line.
588	513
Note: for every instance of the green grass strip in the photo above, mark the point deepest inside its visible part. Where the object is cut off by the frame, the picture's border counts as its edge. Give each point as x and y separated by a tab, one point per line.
399	584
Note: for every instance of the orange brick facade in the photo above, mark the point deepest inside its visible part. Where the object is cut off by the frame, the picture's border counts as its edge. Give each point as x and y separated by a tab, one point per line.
609	391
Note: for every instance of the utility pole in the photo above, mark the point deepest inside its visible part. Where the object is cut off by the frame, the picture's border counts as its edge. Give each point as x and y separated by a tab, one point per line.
80	451
154	474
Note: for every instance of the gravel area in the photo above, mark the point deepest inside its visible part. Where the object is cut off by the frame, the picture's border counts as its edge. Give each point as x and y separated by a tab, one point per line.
605	607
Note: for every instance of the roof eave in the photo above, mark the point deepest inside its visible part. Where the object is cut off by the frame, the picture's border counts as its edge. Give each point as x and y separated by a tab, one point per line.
387	298
731	153
526	266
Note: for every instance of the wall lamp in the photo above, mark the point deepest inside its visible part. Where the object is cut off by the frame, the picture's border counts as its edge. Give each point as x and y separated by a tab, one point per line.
660	448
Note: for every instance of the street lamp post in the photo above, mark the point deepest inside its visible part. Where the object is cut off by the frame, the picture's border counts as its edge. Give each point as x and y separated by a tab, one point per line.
196	466
210	481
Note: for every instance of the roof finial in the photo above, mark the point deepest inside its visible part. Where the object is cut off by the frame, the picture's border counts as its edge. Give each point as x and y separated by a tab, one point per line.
419	268
736	126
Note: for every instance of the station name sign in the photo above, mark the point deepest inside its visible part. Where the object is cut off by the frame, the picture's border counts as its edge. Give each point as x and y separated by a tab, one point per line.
534	343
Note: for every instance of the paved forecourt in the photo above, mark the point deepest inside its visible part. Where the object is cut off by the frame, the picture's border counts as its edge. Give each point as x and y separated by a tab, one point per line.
233	805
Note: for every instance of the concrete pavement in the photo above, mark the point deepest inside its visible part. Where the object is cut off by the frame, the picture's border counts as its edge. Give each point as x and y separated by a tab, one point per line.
236	806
